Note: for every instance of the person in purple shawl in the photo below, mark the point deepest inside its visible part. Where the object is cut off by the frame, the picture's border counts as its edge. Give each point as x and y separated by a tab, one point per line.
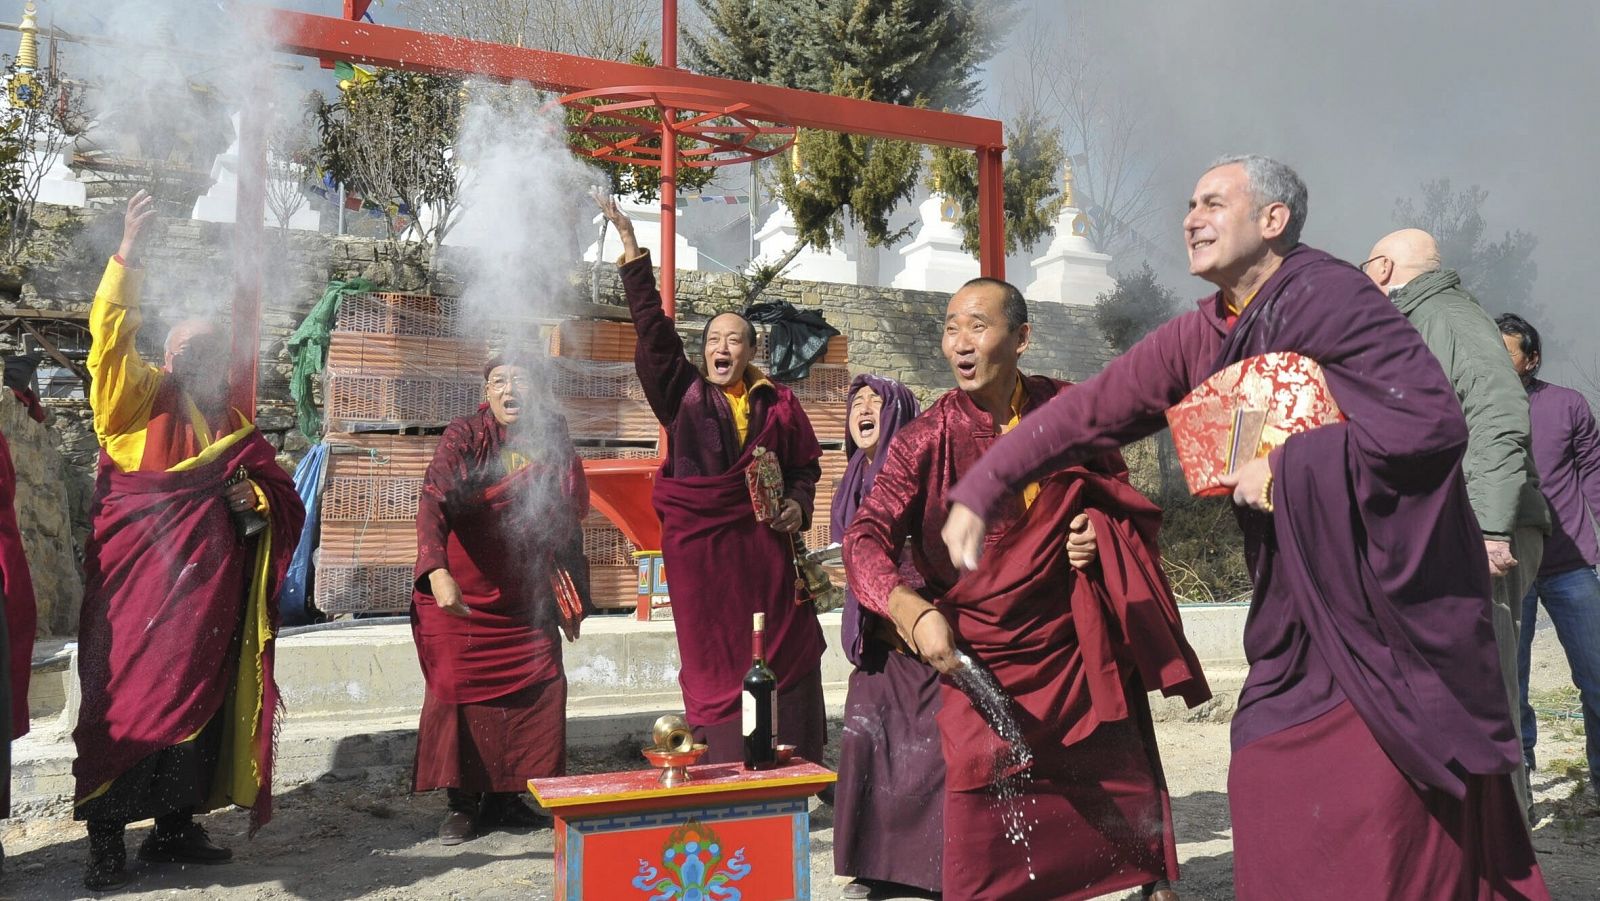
1373	746
888	823
726	565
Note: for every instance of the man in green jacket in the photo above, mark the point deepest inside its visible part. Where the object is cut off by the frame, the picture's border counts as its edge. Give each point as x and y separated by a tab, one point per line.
1502	483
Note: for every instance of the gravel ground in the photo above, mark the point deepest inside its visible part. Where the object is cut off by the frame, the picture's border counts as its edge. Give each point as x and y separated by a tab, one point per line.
336	840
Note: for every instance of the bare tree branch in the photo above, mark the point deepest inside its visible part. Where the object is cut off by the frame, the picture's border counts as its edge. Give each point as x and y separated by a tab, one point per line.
606	29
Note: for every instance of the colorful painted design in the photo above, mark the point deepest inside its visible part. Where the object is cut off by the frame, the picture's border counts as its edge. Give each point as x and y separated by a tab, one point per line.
694	855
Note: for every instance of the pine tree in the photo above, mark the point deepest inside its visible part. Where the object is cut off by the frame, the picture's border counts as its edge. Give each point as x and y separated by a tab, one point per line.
1032	185
910	52
1134	307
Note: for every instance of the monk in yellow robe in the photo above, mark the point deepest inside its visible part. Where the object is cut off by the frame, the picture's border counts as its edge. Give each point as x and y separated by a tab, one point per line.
193	526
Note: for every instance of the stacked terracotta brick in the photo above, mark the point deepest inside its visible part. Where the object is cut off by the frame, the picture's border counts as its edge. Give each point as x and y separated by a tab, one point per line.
396	367
609	419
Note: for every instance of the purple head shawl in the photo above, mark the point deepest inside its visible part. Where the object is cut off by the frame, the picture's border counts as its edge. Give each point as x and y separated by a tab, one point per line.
899	407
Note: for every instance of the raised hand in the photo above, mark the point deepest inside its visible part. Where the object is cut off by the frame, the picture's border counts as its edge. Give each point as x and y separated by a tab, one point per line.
141	209
619	221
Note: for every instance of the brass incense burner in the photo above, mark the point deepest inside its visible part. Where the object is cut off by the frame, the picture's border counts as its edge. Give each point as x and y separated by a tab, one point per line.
674	751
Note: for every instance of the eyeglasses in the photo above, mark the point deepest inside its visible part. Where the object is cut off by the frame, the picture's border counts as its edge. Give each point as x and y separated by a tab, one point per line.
1363	266
500	384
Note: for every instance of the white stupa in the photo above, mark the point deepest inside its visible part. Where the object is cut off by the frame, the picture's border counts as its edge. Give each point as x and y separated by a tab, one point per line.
220	203
1070	270
779	235
935	259
58	185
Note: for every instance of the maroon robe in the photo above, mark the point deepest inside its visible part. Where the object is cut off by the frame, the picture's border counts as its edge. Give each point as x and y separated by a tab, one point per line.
494	708
723	564
1370	580
165	582
1075	652
18	620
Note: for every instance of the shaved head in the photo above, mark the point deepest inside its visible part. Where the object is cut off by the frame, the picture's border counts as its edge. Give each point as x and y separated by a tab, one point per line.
197	357
190	330
1401	256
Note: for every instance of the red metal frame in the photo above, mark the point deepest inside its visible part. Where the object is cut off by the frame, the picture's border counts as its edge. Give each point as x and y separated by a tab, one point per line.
329	39
722	128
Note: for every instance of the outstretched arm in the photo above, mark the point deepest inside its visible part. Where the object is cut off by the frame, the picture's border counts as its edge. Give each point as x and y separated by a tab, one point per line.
1126	401
664	369
122	386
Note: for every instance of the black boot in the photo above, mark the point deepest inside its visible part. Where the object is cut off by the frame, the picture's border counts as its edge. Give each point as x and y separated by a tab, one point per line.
506	809
177	838
108	857
460	821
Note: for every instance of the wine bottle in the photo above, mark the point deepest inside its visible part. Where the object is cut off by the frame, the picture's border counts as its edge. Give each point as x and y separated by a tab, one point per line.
760	706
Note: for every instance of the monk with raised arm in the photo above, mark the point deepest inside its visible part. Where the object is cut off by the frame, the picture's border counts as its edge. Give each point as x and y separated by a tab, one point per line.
194	522
725	564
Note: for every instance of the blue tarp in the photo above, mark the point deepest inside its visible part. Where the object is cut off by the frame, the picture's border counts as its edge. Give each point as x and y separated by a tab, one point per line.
294	600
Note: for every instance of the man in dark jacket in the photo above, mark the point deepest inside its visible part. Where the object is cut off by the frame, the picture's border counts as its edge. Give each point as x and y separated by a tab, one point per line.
1502	483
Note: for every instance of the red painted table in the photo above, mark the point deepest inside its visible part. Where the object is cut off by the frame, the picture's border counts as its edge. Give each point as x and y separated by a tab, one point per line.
728	833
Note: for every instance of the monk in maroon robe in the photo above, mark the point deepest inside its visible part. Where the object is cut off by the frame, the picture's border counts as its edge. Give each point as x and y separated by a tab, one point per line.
1372	747
193	526
18	619
499	531
724	564
1075	649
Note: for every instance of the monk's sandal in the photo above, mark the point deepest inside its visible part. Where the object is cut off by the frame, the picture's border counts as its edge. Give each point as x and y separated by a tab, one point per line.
189	844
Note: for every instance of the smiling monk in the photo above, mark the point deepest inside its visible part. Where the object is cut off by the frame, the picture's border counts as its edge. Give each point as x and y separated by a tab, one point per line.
1373	746
725	564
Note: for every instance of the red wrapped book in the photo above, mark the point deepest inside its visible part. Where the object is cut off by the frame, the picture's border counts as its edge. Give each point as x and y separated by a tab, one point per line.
1245	411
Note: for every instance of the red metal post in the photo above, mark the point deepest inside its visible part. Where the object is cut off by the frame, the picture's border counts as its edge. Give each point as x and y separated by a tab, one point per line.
249	243
669	33
669	170
991	213
669	216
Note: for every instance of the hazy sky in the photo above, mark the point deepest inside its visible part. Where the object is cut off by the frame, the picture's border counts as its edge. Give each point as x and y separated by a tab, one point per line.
1367	99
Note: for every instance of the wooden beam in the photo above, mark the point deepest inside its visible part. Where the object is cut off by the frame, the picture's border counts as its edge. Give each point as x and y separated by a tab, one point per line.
77	368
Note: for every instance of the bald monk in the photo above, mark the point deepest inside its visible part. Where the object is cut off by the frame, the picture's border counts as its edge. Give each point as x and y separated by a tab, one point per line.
1076	625
1502	483
193	526
724	564
1372	746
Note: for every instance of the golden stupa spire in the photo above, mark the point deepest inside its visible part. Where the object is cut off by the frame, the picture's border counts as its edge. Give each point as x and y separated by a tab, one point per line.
28	53
1066	185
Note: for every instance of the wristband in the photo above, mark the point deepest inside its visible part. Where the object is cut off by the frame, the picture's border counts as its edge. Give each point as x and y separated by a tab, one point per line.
911	634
